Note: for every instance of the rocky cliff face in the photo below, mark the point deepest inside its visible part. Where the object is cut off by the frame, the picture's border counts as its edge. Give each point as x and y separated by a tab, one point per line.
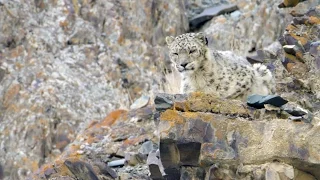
202	136
66	64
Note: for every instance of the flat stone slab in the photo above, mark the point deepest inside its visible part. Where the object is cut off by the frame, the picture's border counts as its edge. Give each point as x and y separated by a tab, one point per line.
209	13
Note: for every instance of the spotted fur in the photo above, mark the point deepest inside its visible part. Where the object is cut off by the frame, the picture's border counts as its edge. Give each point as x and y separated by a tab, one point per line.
211	71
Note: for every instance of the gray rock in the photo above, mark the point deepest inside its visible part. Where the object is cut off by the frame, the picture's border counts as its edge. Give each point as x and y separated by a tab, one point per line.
120	162
2	74
209	13
106	170
140	102
258	101
81	170
146	147
155	166
163	101
235	15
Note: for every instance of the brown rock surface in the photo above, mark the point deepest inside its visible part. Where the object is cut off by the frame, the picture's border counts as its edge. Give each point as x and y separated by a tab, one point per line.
198	137
255	25
302	55
101	143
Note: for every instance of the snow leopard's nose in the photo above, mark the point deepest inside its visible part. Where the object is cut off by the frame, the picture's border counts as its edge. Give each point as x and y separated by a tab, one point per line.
184	64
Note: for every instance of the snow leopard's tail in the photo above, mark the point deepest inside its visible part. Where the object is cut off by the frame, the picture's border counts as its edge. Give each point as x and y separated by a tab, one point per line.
265	75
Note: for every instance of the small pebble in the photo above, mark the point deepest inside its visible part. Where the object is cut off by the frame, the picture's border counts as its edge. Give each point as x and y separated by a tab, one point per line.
80	152
141	102
82	146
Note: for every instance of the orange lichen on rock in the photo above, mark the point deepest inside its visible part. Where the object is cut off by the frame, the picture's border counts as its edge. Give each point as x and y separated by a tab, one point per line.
112	118
171	115
135	140
302	39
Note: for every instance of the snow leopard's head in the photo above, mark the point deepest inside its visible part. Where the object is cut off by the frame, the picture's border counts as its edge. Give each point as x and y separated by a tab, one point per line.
187	51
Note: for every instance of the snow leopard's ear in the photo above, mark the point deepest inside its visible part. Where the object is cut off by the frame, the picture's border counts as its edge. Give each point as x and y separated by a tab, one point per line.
202	38
169	40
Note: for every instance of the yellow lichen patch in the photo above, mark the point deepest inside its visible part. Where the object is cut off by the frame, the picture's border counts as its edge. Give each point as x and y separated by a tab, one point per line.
206	117
181	106
211	103
75	6
34	165
291	57
299	55
190	115
230	108
171	115
197	95
314	20
291	28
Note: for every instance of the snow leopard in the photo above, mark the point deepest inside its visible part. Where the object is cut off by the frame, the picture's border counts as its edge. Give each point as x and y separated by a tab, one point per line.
210	71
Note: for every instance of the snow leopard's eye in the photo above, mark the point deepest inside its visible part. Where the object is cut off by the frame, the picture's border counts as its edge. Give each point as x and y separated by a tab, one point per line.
192	51
176	54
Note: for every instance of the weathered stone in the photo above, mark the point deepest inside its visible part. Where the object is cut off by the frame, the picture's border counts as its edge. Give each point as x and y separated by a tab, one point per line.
258	101
274	170
110	139
289	3
140	102
314	48
81	170
264	55
216	172
209	13
2	73
116	163
251	31
60	60
163	102
294	109
201	102
155	166
233	140
196	173
105	170
301	59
